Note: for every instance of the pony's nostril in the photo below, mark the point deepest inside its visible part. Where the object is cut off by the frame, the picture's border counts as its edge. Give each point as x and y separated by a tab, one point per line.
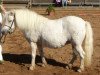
2	32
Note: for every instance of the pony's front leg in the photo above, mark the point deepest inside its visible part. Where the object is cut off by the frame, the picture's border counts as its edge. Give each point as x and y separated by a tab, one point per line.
1	58
34	47
44	63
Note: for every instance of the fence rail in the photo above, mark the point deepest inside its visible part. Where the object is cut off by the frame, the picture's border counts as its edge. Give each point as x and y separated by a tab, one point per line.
47	2
15	1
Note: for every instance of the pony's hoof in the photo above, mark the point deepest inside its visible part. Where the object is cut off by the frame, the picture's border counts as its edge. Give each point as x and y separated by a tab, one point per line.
32	68
69	66
79	70
1	61
43	65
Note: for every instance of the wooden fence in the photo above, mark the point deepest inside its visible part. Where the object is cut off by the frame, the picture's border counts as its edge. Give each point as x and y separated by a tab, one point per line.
47	2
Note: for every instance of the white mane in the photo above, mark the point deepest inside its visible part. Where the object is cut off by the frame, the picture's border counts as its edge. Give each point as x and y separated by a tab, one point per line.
27	18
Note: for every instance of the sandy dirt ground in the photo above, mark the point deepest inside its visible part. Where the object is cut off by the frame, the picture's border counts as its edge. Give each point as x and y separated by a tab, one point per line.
17	51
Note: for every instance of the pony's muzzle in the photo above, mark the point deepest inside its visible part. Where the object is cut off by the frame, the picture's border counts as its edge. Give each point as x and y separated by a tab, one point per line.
4	30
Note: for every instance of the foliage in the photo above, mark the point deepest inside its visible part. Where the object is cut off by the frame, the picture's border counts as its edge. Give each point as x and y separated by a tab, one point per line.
0	1
50	9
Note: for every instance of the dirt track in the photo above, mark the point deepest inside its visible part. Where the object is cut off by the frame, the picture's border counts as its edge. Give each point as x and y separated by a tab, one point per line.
16	50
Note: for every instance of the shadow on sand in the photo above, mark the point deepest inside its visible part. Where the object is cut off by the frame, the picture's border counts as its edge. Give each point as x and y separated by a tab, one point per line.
26	59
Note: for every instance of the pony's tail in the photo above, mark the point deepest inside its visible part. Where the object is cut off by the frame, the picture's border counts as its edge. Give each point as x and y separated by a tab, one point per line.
88	44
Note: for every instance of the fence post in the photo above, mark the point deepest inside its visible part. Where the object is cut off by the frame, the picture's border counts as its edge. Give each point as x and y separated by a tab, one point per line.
84	2
29	3
99	3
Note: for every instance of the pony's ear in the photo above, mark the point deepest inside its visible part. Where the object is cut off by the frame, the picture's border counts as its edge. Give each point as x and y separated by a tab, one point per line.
4	14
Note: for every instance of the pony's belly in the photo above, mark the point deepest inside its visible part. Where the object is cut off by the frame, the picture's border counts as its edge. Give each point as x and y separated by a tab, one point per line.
55	41
54	44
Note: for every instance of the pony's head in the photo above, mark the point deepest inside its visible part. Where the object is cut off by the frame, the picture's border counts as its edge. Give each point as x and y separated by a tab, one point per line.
8	23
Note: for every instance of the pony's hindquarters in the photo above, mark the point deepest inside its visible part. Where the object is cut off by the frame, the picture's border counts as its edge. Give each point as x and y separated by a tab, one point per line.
88	44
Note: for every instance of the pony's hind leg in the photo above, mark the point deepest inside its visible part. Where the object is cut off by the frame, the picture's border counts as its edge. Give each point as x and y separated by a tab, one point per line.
34	47
75	53
81	54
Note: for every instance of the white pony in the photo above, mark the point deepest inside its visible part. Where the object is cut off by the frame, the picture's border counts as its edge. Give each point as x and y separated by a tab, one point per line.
52	33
